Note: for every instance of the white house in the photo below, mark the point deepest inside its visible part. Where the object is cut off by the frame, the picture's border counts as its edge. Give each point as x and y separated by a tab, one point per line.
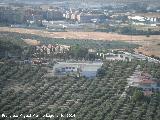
86	69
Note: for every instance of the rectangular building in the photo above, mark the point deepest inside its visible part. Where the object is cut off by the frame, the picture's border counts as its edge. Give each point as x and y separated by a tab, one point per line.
87	69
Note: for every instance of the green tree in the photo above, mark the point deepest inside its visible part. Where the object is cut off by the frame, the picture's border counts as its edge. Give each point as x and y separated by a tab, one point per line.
138	95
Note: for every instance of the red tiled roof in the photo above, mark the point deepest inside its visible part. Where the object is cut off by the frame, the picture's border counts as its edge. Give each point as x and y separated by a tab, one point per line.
146	81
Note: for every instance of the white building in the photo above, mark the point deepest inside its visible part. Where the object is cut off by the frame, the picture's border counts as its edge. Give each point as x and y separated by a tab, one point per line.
138	18
115	57
79	69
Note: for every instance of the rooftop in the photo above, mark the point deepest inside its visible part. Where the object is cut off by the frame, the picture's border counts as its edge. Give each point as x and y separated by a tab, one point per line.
147	81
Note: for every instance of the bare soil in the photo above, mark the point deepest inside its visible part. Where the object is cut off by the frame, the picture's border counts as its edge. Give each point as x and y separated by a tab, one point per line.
149	44
32	42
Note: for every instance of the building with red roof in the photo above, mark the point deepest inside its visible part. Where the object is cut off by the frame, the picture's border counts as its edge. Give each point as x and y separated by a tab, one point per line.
146	82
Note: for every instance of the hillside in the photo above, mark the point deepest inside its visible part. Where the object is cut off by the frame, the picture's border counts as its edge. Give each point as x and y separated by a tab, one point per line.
25	90
150	45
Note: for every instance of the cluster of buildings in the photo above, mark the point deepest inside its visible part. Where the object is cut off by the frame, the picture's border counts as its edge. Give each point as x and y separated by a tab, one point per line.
125	56
29	15
48	49
35	15
87	18
113	57
41	53
145	20
79	69
84	16
54	14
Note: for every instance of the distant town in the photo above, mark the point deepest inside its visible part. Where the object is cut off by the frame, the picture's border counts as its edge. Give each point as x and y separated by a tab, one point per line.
62	17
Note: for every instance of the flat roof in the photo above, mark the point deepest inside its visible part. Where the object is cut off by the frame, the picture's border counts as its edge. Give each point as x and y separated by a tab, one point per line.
86	66
80	63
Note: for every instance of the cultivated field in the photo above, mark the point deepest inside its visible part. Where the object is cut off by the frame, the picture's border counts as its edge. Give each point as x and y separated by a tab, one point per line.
26	91
150	44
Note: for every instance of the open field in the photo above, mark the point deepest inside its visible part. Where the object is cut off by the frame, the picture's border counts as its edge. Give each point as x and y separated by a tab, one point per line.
150	44
31	42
